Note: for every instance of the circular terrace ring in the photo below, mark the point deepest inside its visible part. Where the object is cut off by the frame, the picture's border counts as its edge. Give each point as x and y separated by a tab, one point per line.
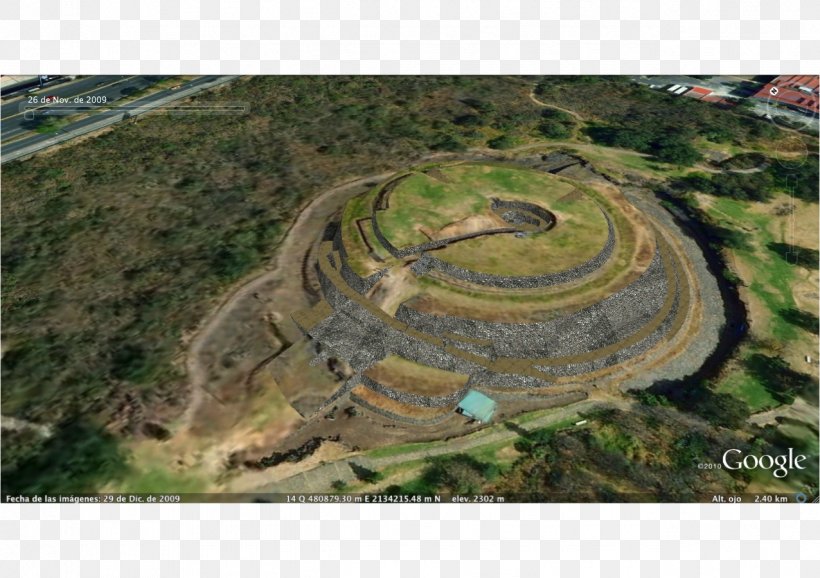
489	218
444	280
524	216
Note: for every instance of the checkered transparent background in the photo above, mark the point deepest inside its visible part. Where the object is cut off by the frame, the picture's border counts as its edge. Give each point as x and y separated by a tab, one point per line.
410	540
467	36
388	36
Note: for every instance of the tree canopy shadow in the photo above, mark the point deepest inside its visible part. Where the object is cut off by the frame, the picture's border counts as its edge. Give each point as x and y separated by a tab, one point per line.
801	319
778	377
795	255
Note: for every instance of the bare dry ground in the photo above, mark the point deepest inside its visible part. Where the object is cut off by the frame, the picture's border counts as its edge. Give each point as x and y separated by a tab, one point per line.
402	374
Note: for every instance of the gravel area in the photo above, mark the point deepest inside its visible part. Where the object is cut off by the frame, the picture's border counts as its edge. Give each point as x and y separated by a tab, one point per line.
713	318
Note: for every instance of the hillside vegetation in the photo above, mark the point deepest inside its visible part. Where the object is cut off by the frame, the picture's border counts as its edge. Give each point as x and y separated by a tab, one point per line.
115	247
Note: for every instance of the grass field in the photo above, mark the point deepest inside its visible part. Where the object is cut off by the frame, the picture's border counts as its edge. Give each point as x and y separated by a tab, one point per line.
465	190
768	276
440	296
499	455
748	389
357	250
770	287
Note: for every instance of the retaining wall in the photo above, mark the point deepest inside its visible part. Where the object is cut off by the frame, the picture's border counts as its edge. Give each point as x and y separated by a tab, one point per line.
532	281
546	217
412	398
608	321
396	417
360	284
431	245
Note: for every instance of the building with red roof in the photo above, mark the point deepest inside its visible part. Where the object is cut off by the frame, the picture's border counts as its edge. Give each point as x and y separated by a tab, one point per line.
698	92
800	93
719	101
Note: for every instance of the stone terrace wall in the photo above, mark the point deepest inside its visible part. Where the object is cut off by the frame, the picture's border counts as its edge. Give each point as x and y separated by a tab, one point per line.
396	417
360	284
413	398
547	218
495	380
437	244
606	322
528	282
621	355
359	336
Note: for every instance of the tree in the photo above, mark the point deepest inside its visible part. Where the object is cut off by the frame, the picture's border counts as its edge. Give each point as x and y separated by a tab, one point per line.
468	120
724	410
366	474
449	143
801	319
457	474
795	255
78	458
676	150
501	142
693	447
800	179
777	376
553	129
692	182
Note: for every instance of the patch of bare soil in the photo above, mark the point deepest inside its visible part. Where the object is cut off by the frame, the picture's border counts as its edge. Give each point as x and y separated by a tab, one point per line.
470	225
307	386
263	419
396	286
800	411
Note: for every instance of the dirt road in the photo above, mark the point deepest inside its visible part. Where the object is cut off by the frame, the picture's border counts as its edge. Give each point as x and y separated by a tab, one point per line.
800	410
320	478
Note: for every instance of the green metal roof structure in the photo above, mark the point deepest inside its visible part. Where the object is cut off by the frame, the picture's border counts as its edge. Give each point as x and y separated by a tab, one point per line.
477	406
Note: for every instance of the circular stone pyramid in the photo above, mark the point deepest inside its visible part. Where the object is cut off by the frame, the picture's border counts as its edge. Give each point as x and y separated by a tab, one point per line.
509	280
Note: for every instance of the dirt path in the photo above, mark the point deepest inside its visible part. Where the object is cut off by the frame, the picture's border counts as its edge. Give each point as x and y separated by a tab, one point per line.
15	424
738	171
319	479
566	110
800	410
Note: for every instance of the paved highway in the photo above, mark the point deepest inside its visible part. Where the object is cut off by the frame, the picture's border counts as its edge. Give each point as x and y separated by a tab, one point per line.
12	104
104	90
31	141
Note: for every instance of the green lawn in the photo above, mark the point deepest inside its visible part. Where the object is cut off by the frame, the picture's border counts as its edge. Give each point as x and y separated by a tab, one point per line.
158	480
773	277
50	125
770	280
422	201
398	450
748	389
